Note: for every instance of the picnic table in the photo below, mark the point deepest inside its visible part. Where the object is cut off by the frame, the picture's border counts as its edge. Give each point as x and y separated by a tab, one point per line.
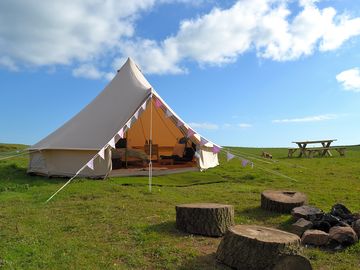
322	151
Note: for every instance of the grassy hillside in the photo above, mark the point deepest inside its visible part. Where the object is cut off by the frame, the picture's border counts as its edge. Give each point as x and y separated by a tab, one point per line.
118	224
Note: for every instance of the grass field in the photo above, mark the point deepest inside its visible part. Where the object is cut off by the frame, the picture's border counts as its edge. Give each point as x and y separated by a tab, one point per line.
118	224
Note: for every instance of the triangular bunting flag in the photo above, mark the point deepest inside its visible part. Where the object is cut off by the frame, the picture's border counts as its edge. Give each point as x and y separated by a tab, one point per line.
203	141
128	124
190	133
179	123
136	114
197	155
168	113
143	107
121	133
102	153
244	162
158	103
90	164
229	156
216	149
112	143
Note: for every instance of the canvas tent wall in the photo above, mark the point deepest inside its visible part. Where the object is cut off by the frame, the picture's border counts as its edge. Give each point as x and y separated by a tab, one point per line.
68	148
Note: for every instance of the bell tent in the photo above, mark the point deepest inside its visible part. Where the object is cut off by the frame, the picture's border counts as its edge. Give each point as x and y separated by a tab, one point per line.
124	129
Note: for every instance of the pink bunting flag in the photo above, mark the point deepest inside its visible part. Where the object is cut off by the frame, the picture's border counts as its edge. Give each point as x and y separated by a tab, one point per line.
90	164
179	123
102	153
168	113
203	141
112	143
244	162
229	156
216	149
190	133
158	103
121	133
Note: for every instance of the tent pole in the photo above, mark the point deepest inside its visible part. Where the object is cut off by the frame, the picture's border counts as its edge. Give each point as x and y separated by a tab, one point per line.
150	143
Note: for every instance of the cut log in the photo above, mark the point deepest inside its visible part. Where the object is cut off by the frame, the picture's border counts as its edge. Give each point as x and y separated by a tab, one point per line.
256	247
281	201
208	219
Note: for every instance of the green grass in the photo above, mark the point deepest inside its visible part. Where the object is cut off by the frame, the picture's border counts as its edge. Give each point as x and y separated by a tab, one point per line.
118	224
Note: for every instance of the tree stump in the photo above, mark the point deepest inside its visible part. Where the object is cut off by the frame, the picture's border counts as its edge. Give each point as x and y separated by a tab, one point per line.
256	247
281	201
209	219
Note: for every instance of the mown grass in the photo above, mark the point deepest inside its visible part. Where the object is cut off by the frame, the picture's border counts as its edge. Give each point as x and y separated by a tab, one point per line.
118	224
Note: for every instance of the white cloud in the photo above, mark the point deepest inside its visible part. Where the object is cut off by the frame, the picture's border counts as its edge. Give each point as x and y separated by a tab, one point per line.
208	126
350	79
59	32
315	118
222	35
92	31
244	125
89	71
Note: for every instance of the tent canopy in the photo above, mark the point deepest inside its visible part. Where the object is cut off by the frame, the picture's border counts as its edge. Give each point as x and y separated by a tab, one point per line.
68	148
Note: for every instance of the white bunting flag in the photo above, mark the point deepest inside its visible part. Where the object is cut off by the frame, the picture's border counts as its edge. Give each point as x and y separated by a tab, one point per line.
128	124
102	153
168	113
197	155
112	143
136	115
143	107
229	156
90	164
121	133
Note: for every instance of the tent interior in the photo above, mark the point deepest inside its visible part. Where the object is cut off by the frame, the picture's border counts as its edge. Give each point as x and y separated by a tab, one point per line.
170	151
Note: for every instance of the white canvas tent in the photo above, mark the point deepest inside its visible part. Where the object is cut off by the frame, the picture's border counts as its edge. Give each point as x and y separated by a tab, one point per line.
128	100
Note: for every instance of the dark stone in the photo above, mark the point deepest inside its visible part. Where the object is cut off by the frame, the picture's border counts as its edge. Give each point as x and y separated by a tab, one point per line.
340	210
300	226
307	212
322	225
315	237
343	235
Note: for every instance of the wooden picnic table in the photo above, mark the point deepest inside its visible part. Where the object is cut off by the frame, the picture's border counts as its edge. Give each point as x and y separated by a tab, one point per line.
324	150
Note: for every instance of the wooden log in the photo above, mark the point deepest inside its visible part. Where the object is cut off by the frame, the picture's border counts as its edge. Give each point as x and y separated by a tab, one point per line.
256	247
281	201
208	219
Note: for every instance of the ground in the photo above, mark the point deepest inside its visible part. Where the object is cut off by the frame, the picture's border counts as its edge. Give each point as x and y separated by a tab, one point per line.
119	224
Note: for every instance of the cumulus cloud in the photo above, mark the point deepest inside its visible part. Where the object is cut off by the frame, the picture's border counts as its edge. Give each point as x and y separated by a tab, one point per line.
244	125
267	26
89	71
315	118
83	32
350	79
59	32
208	126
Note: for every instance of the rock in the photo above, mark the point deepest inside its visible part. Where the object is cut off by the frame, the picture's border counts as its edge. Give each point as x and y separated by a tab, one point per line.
344	235
307	212
315	237
340	210
356	227
300	226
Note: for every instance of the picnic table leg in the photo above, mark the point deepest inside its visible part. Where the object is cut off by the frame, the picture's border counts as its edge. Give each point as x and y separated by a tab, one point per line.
326	152
302	149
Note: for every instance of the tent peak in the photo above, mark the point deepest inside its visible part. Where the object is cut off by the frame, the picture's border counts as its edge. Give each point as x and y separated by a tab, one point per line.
130	62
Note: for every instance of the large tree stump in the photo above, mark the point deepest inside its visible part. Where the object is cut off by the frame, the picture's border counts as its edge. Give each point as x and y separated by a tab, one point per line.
209	219
281	201
256	247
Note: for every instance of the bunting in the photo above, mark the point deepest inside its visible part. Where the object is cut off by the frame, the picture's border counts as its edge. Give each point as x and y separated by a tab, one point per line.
244	162
102	153
179	123
216	149
121	133
190	133
90	164
143	107
158	103
229	156
112	143
168	113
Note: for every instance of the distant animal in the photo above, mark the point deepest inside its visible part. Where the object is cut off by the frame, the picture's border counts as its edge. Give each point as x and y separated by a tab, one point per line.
266	155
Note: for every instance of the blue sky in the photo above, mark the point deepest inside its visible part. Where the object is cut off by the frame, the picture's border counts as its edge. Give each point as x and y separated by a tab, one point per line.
248	73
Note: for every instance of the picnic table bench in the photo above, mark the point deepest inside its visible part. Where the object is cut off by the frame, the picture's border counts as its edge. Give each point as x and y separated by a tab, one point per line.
321	151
